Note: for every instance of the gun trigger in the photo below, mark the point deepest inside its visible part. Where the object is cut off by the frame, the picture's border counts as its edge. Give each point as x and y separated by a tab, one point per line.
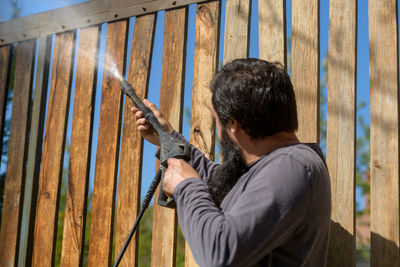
186	151
157	155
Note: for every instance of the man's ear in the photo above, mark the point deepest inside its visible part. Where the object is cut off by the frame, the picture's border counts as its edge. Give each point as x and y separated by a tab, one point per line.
233	126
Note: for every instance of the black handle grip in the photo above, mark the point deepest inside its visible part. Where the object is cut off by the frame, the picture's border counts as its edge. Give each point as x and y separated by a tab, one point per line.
151	119
163	200
171	147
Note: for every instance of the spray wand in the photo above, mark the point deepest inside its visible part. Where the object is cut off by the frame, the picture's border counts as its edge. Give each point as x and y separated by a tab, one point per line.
170	147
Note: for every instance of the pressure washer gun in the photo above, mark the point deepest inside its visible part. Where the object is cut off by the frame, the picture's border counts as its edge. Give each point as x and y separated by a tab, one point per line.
170	146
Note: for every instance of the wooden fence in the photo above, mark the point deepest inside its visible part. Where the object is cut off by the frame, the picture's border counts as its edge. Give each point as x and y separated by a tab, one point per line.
39	118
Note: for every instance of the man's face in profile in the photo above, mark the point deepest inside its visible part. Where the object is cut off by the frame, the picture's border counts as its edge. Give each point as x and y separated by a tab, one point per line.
232	167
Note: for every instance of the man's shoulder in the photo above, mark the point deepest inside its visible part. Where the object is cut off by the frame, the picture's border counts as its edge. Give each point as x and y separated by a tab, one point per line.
306	154
298	162
303	153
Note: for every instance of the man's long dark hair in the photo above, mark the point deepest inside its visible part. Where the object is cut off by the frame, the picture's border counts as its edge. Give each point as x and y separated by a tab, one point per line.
260	97
257	94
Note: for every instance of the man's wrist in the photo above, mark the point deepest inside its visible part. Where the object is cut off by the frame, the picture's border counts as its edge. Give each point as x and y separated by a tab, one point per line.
182	185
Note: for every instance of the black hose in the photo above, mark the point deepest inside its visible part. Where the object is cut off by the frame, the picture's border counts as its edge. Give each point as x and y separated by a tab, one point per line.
145	205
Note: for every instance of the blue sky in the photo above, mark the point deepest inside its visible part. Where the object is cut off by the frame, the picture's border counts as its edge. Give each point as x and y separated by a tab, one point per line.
31	7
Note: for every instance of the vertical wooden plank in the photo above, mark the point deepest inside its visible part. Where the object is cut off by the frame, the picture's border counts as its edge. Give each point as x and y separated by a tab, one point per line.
202	133
34	152
384	84
5	73
17	156
237	30
305	67
101	228
272	30
132	142
82	124
53	151
341	128
5	63
171	98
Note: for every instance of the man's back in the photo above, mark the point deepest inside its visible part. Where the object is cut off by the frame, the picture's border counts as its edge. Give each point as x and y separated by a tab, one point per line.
278	213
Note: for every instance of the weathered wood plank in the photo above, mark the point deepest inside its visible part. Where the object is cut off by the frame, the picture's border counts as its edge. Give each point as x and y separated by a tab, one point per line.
237	30
171	98
5	64
17	153
82	125
80	15
384	84
202	133
34	152
341	129
5	73
101	228
305	67
272	30
53	151
132	142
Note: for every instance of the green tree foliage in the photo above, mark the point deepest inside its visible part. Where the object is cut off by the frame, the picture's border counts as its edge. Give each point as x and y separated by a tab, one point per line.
362	178
363	156
323	99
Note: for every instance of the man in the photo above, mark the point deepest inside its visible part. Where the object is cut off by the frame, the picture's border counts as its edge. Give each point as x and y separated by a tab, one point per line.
268	203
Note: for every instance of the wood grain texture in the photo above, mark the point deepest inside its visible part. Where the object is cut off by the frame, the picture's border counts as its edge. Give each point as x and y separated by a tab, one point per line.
53	151
272	30
384	162
101	228
341	129
34	152
202	133
81	15
132	142
5	64
237	30
163	252
305	67
80	148
17	155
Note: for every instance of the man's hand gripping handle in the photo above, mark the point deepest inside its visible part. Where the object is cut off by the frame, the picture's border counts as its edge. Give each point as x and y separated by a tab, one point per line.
170	146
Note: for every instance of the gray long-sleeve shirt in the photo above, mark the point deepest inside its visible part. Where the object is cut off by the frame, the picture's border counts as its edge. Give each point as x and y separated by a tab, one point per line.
277	214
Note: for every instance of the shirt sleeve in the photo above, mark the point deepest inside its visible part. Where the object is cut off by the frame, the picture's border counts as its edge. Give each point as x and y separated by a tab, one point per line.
264	215
198	160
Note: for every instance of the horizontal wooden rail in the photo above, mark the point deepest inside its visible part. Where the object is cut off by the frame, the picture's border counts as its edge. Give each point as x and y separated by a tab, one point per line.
79	16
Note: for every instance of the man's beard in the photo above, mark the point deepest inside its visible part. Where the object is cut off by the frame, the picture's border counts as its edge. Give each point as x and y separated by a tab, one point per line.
225	176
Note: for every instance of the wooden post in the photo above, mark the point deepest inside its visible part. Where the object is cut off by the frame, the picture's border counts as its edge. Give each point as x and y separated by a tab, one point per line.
163	252
341	129
237	30
384	83
17	156
53	151
132	142
272	30
305	67
82	124
202	133
34	152
5	64
101	228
